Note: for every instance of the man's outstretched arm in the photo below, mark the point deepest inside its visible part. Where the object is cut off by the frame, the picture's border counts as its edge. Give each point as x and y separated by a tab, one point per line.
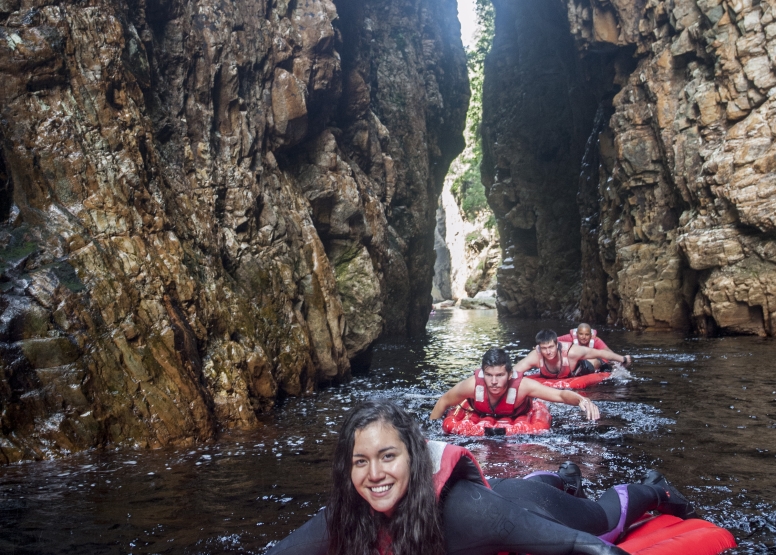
454	396
532	388
531	360
586	353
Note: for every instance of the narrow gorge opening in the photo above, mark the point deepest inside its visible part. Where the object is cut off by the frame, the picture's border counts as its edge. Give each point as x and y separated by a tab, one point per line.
538	107
466	237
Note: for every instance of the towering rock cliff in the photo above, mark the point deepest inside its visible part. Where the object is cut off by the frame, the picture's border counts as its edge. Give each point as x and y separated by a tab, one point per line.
658	213
207	205
537	112
468	252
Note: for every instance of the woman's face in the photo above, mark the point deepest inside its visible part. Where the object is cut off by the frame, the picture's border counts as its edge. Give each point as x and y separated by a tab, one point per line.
380	468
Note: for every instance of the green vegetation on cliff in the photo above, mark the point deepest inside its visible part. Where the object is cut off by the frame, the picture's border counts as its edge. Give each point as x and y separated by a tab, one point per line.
467	187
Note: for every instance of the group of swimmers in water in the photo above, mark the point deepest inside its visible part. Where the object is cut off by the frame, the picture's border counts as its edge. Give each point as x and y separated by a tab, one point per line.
498	389
394	493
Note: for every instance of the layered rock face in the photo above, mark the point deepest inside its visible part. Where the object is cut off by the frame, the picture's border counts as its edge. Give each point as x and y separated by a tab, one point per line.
676	188
537	113
208	205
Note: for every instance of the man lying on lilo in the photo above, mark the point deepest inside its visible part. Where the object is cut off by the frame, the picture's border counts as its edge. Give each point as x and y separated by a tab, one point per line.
497	389
585	336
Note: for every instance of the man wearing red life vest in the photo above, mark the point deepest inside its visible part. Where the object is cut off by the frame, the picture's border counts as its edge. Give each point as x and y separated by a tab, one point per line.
498	390
586	336
556	359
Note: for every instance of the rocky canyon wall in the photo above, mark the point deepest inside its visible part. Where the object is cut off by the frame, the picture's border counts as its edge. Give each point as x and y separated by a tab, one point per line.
536	116
662	180
208	205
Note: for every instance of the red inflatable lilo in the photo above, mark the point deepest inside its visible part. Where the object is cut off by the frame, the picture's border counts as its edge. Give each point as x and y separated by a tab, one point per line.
670	535
578	382
464	421
665	534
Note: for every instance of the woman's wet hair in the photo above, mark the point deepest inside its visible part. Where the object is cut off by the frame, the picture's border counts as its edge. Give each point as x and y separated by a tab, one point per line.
545	336
415	526
496	357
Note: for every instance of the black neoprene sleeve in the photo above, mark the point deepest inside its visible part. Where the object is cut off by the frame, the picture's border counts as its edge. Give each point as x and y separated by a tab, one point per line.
479	521
311	538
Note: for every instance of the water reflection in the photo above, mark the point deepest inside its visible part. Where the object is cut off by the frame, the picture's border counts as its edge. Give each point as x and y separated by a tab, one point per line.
701	411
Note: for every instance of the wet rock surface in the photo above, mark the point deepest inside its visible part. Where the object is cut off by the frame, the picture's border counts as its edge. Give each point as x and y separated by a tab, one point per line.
207	206
536	115
675	199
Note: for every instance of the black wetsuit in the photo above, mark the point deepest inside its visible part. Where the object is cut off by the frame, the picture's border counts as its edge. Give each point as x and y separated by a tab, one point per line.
516	515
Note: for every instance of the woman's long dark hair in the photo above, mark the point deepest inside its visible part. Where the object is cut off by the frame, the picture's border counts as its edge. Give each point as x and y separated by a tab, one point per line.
354	529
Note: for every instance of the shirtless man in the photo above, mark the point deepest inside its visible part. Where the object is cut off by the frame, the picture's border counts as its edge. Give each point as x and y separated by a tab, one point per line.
496	389
586	336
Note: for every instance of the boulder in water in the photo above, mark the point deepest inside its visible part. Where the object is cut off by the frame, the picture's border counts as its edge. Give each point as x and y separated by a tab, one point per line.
477	303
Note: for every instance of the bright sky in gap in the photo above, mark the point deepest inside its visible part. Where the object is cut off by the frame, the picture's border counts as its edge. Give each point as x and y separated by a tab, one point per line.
468	18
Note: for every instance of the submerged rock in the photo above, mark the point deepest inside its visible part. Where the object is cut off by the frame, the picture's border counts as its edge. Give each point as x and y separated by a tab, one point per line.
477	303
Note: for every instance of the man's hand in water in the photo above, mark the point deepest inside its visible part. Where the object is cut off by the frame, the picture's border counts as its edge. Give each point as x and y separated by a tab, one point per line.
589	408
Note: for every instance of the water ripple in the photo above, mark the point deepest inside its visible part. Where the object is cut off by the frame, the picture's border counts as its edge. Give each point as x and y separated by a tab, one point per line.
703	411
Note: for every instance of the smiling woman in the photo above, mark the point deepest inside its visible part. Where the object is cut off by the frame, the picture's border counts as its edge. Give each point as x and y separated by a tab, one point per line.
396	494
381	467
379	454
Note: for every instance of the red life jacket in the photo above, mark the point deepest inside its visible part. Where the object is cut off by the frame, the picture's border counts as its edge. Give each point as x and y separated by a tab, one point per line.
595	342
446	458
506	405
573	334
565	369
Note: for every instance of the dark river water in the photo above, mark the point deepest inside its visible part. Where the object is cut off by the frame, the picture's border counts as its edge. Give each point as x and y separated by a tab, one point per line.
702	411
